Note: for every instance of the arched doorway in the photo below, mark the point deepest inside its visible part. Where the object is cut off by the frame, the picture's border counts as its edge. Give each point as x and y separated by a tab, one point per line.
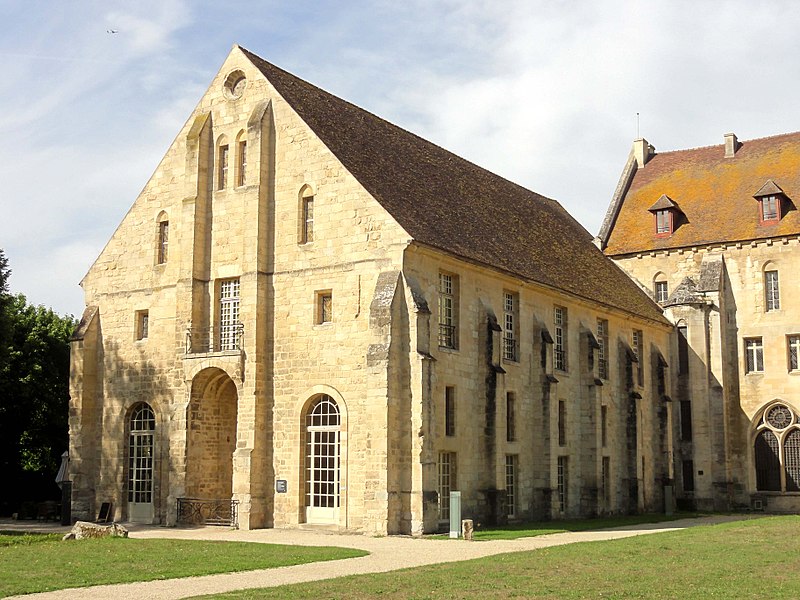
211	440
322	427
141	434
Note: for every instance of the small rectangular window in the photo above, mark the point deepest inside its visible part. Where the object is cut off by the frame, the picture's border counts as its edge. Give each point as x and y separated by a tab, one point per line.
688	475
562	423
448	310
638	351
769	208
222	170
560	338
511	485
324	307
604	425
602	351
308	220
661	291
686	420
142	324
683	350
754	355
511	417
449	411
663	222
771	290
793	342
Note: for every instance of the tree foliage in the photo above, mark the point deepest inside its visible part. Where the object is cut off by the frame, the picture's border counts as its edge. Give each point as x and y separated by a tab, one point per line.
34	388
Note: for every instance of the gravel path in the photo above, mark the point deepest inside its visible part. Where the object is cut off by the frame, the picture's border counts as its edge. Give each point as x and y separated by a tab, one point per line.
386	554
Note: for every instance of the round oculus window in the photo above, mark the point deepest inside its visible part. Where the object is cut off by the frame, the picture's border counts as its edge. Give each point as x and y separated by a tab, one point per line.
234	85
779	417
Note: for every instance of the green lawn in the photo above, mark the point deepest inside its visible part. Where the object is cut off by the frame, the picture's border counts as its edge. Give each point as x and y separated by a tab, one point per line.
758	558
519	530
40	563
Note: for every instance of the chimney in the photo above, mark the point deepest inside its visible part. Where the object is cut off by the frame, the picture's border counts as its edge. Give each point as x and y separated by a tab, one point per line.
642	151
731	145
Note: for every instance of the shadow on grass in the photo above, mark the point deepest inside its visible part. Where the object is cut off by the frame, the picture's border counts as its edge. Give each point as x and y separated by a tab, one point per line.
537	528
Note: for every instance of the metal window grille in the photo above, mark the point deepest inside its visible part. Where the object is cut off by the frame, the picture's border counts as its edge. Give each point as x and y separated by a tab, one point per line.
562	483
449	411
242	163
754	355
325	308
794	352
772	290
323	422
511	485
661	291
163	241
308	219
140	455
447	311
602	351
560	340
511	417
447	482
791	458
229	314
222	173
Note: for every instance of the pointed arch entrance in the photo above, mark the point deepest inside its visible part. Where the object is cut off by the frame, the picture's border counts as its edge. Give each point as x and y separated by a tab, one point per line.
211	422
322	425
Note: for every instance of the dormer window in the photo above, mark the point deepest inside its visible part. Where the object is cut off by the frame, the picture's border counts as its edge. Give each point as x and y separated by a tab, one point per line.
663	222
666	214
770	203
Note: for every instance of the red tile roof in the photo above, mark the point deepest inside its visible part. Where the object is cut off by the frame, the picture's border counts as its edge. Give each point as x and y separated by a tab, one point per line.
716	195
446	202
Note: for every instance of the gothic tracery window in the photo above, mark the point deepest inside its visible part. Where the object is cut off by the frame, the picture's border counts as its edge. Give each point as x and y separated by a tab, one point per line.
777	450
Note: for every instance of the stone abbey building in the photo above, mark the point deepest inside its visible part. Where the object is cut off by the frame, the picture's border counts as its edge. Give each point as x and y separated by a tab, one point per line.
714	235
311	316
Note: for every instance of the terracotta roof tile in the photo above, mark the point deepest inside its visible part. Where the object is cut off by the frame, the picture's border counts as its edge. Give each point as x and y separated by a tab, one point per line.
716	195
446	202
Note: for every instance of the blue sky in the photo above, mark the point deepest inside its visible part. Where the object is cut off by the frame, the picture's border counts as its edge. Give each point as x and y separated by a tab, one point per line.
543	93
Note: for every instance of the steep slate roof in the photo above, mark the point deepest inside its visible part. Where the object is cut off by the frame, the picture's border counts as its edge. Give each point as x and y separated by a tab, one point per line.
716	195
446	202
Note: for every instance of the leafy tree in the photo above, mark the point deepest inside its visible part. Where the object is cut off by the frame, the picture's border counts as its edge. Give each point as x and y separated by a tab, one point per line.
34	393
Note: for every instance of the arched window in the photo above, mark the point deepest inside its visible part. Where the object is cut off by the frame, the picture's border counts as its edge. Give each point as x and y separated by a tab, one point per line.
240	174
772	295
141	431
223	156
777	450
162	238
322	433
306	215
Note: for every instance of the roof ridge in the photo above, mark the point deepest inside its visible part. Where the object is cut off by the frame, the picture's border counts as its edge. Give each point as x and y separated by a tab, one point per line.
252	56
760	139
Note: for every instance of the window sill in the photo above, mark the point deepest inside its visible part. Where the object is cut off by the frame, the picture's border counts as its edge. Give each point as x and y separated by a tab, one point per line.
448	349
